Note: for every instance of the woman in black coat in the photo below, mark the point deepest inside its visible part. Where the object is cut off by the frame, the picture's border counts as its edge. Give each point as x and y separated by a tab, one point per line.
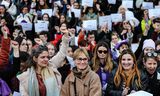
153	77
127	78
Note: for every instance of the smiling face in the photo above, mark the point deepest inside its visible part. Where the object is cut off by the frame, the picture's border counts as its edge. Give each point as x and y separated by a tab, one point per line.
151	65
42	59
81	61
147	50
127	62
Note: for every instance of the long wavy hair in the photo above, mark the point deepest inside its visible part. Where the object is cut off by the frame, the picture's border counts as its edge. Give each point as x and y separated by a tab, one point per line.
120	74
108	60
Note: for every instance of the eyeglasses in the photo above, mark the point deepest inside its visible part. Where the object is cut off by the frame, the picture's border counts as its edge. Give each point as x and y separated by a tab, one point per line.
102	51
82	59
152	54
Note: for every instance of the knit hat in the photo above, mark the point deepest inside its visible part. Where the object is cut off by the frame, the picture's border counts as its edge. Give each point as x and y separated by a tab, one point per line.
149	43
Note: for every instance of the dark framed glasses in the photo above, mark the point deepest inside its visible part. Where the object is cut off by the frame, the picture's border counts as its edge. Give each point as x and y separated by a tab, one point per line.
102	51
152	54
82	59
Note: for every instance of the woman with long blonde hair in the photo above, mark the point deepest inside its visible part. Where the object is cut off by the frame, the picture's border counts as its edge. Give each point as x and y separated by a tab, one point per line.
127	78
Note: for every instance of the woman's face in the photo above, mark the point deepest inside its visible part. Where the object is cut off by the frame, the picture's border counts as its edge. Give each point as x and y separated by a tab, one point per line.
148	49
41	2
23	46
122	11
146	12
102	52
125	24
151	65
62	19
114	39
70	52
42	60
51	50
25	10
127	62
45	18
81	61
90	10
63	27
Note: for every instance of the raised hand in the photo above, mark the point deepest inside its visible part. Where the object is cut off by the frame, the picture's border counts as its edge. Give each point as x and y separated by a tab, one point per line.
38	41
5	31
15	45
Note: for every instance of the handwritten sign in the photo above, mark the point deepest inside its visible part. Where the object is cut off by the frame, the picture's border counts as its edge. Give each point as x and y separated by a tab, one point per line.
105	20
127	3
116	17
147	5
90	24
154	13
48	11
41	26
26	26
89	3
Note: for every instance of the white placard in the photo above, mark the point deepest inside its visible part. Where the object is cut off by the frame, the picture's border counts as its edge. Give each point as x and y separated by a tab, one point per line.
26	26
90	24
112	1
88	3
58	3
16	93
41	26
147	5
116	17
157	7
134	46
48	11
154	12
77	12
5	3
129	15
127	3
140	93
105	20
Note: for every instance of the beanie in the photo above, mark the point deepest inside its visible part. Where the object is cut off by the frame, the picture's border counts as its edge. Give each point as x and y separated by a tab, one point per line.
149	43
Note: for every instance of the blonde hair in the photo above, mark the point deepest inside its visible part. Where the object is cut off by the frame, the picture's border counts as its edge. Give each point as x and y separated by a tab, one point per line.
78	51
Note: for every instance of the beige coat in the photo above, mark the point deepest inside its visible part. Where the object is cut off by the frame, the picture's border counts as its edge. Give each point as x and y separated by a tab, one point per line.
87	84
54	63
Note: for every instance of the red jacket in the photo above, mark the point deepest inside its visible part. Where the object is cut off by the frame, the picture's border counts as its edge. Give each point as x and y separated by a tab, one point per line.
57	38
4	52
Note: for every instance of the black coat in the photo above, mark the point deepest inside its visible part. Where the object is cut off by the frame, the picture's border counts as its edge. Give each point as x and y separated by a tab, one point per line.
153	86
112	90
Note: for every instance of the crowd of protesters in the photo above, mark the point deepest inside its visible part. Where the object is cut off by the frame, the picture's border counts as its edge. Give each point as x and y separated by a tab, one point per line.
68	59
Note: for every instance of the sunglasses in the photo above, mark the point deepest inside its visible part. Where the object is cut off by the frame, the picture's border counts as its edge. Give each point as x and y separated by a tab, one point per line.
102	51
152	54
82	59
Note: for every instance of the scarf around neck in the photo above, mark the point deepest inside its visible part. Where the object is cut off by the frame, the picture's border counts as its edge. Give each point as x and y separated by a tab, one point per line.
49	79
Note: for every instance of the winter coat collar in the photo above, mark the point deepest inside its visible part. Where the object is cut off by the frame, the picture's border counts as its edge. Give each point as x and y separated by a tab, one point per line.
77	74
